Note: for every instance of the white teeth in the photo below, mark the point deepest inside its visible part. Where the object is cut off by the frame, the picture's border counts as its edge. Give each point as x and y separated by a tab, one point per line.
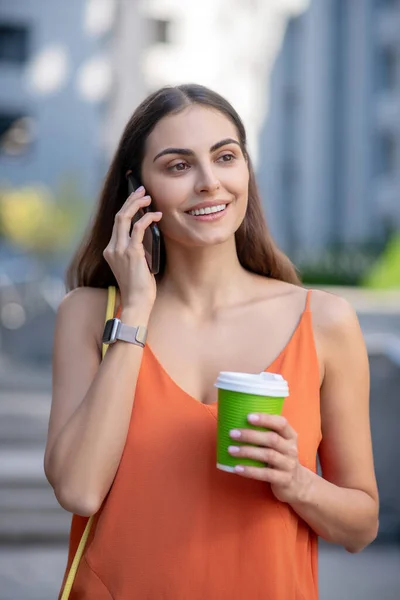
208	210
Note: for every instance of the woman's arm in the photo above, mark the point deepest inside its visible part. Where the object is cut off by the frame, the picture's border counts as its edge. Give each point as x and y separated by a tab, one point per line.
342	505
92	401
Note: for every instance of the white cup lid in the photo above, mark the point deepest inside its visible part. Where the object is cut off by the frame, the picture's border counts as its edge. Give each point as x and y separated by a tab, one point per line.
261	384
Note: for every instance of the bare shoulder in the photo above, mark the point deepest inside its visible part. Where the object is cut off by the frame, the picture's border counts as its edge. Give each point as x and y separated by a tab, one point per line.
86	307
332	314
337	333
84	300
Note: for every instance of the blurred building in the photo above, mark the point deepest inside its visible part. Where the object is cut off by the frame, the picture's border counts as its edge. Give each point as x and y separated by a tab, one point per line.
329	163
71	74
227	45
57	86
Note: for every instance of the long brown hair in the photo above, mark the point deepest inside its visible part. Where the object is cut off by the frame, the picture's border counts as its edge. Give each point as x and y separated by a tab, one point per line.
256	249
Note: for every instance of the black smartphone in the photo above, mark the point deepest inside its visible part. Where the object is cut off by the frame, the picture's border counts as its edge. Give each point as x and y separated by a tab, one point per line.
151	240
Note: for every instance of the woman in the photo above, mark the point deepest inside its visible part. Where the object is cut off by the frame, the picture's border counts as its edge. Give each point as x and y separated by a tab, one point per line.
132	438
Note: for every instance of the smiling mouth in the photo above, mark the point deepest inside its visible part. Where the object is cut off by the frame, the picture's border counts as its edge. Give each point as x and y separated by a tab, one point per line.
209	210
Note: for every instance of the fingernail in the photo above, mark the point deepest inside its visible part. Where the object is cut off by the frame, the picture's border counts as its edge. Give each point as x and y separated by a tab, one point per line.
253	418
233	449
239	469
235	433
140	188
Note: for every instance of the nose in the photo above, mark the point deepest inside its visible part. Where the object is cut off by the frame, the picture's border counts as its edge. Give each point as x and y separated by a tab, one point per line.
207	182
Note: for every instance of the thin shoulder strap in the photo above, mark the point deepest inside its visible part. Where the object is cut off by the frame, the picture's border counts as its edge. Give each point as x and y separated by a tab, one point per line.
81	547
308	299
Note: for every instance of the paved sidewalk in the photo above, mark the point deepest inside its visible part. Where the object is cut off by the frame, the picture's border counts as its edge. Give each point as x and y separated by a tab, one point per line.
373	574
35	573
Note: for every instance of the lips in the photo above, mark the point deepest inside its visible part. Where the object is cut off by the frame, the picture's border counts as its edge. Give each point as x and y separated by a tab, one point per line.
213	213
208	210
208	204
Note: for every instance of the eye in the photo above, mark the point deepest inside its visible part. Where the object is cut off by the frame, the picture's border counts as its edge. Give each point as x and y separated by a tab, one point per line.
226	158
180	166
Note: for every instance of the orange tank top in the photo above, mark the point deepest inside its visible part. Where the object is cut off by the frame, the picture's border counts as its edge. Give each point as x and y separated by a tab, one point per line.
174	527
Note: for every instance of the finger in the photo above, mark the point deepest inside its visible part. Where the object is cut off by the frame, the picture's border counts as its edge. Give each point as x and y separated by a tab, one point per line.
138	193
272	476
270	457
139	190
269	439
141	225
135	196
275	422
126	212
123	221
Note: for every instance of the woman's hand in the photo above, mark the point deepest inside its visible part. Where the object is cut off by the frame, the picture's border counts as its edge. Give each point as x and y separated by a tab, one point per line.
125	253
276	447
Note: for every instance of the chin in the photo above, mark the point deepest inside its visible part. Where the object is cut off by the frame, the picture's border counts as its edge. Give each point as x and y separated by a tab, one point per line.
211	240
197	238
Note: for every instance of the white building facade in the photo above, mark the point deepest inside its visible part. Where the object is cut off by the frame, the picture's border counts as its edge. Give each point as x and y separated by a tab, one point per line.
227	45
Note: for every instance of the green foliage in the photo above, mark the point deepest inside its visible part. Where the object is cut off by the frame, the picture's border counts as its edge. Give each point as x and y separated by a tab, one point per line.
340	265
37	220
385	273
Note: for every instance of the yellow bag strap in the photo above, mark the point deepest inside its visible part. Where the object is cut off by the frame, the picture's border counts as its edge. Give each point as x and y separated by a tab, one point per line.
81	547
112	293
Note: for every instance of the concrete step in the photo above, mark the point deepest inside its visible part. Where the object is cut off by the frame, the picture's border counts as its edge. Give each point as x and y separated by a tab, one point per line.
24	417
22	465
20	524
29	513
24	376
28	507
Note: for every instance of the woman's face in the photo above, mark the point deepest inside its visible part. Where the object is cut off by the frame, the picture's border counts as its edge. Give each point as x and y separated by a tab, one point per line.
193	161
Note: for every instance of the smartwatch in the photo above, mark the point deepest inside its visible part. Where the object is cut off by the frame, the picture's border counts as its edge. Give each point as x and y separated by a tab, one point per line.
115	330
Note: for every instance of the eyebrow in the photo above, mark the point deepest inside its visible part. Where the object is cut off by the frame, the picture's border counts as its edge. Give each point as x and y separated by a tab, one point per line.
188	152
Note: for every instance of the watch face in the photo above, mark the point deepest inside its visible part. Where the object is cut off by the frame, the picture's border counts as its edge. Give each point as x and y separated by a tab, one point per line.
110	331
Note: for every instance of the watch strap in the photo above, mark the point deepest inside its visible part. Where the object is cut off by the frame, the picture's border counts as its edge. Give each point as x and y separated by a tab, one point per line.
133	335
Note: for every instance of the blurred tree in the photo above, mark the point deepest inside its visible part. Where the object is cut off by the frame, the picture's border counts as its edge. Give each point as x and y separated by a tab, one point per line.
35	220
385	273
337	265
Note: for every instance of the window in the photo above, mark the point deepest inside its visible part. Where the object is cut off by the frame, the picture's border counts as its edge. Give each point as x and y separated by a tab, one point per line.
13	44
6	122
387	67
161	31
289	214
16	133
387	154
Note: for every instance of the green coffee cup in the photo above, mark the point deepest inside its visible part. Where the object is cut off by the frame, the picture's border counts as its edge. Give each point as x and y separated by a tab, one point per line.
240	394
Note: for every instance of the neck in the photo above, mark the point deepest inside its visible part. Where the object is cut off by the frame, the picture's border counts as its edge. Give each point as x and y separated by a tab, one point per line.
203	279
